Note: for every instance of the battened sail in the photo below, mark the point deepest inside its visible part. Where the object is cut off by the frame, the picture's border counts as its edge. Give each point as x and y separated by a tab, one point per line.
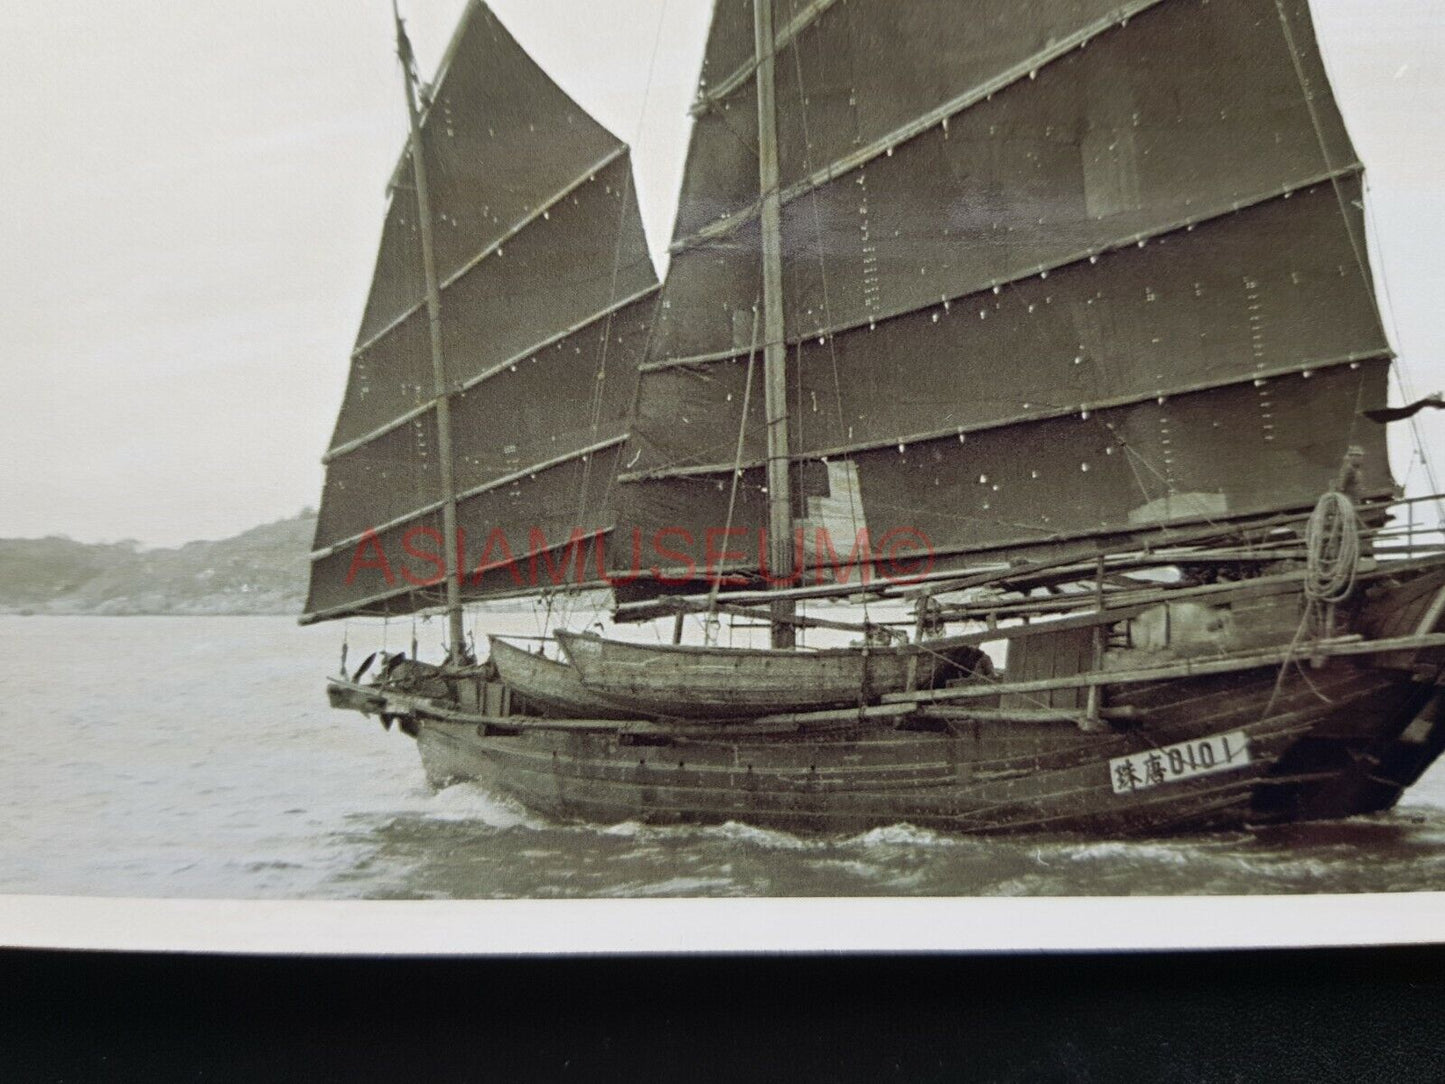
547	291
1055	271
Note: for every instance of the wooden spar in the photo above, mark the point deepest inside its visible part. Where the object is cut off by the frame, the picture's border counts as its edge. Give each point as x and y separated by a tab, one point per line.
1169	551
749	603
486	374
1093	706
1088	620
1027	715
1228	664
840	451
381	702
1139	594
775	358
1166	552
457	647
1133	600
541	210
714	95
804	622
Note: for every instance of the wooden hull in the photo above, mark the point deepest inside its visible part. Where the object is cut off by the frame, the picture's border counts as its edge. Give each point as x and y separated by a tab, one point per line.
1246	744
719	683
551	687
1306	760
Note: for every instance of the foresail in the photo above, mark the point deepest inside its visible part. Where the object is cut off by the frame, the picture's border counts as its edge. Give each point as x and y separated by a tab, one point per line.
547	291
1053	270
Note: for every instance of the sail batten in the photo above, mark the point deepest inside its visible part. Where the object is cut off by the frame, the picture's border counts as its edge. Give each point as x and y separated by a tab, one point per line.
467	494
556	275
1351	170
909	438
1125	473
712	96
430	599
506	535
488	374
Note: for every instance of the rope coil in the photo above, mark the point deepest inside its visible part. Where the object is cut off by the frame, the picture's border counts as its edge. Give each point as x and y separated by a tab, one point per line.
1332	544
1332	562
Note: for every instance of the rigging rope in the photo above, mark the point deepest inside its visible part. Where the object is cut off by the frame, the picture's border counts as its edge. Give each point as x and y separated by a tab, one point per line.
1382	275
1361	257
1403	380
1309	97
598	402
854	490
711	623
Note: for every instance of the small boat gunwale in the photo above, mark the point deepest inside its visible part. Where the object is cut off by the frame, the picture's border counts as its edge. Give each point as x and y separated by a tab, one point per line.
550	684
926	647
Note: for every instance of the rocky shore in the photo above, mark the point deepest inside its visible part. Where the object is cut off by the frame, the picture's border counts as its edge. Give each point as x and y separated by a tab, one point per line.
262	571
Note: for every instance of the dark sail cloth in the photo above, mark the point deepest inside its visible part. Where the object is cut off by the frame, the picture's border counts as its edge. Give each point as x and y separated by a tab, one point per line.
1063	283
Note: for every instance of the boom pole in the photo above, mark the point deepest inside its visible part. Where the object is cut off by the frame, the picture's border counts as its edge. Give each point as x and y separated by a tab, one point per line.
775	355
456	647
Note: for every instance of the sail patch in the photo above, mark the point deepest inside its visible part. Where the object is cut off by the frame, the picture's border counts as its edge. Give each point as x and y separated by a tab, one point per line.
1173	507
1111	172
834	522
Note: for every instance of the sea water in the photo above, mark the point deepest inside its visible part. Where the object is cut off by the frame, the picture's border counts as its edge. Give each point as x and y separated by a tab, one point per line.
197	757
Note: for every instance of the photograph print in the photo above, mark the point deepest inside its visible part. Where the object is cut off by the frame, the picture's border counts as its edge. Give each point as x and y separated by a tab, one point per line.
649	449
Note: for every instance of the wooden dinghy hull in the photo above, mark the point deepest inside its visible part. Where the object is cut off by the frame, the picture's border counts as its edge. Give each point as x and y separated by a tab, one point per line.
550	686
669	680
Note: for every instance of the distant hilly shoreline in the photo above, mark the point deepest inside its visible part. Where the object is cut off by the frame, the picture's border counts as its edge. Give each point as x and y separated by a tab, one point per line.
262	571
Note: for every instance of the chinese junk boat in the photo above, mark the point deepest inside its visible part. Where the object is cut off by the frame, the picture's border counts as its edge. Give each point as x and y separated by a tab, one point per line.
1043	333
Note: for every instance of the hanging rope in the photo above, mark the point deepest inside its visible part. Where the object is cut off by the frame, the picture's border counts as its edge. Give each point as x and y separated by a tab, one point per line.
1332	562
1332	544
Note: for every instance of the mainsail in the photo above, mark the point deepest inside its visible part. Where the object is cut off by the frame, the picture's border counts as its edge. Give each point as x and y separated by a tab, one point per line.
547	292
1054	272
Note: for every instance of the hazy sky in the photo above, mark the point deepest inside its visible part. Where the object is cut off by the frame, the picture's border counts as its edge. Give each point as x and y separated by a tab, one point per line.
193	191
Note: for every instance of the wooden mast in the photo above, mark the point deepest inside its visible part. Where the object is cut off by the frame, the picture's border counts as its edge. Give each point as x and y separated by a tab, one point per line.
775	375
456	647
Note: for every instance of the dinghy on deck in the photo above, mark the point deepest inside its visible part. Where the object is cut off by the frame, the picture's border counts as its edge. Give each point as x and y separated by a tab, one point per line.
722	682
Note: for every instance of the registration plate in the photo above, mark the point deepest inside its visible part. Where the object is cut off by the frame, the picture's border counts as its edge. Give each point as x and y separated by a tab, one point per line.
1174	763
